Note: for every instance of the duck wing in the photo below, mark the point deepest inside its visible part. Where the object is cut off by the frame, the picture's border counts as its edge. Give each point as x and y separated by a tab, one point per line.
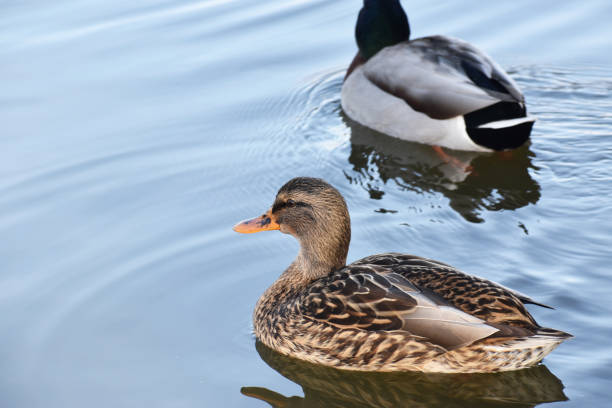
441	77
369	297
478	297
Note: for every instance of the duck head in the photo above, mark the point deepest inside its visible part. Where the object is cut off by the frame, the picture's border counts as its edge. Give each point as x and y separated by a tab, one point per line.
381	23
315	213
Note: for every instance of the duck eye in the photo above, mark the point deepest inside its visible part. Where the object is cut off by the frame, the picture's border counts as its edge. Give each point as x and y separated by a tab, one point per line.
290	203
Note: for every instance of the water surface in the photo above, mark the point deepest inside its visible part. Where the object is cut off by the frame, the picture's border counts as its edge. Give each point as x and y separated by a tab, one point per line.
135	135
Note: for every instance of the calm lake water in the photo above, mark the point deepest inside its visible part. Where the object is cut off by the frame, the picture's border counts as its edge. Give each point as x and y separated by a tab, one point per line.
135	134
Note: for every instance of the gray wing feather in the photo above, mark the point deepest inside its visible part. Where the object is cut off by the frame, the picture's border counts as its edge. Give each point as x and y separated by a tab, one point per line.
442	323
441	76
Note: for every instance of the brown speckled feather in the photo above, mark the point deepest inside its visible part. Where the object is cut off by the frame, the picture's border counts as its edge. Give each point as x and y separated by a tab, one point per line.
475	296
370	297
376	314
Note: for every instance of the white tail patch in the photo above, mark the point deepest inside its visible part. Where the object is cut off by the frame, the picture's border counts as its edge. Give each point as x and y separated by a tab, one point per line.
499	124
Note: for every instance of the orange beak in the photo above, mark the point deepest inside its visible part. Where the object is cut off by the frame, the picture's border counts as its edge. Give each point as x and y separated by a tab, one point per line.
266	222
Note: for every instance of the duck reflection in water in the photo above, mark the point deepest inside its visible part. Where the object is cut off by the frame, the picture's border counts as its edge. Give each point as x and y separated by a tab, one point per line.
485	181
329	387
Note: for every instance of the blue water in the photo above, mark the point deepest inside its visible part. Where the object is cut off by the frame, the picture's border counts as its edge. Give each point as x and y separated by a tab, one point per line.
135	134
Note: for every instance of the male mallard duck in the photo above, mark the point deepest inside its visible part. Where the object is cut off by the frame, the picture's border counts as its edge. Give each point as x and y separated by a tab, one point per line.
387	312
434	90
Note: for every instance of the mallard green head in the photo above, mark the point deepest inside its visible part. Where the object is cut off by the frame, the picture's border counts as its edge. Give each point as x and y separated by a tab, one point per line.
381	23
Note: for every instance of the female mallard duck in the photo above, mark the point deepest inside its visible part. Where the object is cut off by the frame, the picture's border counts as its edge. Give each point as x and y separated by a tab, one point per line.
435	90
386	312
